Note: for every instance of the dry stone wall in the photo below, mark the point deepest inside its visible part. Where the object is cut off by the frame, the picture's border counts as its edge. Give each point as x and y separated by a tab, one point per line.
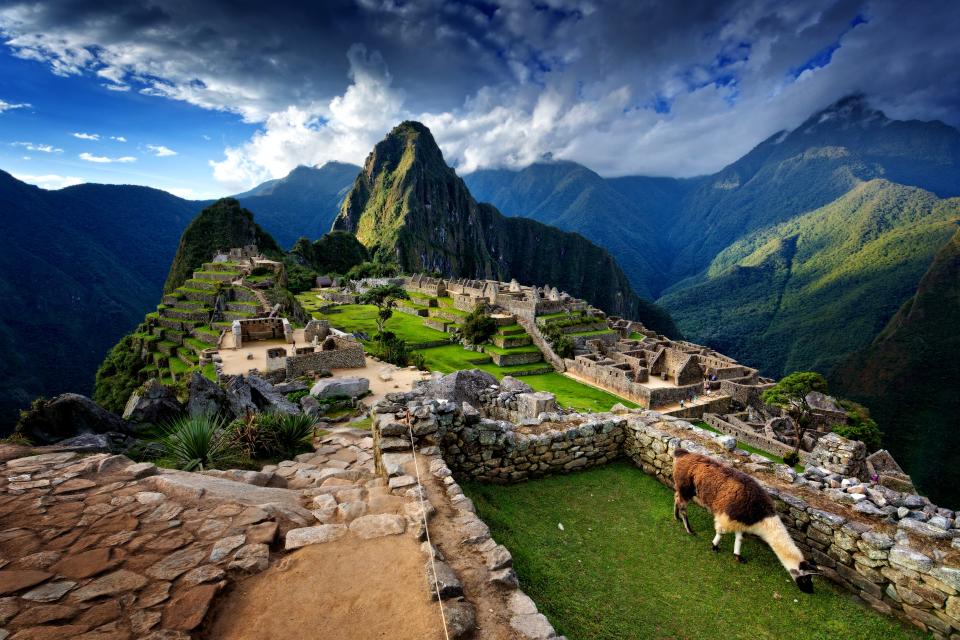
896	551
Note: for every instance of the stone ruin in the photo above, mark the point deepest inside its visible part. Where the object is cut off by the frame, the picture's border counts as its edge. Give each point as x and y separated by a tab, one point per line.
894	550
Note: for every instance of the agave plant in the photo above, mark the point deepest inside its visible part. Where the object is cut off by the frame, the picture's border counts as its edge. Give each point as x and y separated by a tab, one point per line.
198	442
292	433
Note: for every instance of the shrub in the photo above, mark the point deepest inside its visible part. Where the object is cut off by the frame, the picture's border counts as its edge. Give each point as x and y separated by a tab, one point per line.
389	348
559	341
860	426
294	396
199	442
478	327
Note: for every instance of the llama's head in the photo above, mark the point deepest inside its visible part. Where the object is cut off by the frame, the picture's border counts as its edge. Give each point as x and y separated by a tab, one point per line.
804	576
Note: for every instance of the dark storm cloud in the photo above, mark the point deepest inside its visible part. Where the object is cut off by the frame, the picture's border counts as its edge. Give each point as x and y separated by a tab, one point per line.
626	87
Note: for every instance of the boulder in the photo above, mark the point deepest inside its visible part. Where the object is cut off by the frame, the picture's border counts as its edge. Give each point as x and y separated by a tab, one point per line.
66	416
511	384
205	397
462	386
331	387
239	397
269	399
289	387
110	442
153	403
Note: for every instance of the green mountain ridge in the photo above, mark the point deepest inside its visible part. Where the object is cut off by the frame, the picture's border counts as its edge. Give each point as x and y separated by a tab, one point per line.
220	226
804	293
409	206
304	203
908	377
574	198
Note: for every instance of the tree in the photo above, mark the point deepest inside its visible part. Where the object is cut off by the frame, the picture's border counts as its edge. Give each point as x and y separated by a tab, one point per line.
790	394
384	297
860	426
478	327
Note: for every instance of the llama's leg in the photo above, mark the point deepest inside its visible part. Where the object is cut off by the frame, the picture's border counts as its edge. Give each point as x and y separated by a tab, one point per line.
716	538
680	512
737	542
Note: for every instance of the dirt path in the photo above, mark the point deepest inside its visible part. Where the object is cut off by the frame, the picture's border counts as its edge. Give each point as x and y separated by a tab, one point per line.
489	601
350	589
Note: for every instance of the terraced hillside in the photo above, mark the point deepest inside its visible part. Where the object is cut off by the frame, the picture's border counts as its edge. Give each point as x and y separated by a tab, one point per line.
191	319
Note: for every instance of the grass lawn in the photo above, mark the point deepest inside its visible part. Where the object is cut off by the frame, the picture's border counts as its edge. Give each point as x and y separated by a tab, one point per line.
360	317
622	568
570	393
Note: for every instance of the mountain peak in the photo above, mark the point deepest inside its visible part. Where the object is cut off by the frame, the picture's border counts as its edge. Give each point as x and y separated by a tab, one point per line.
851	110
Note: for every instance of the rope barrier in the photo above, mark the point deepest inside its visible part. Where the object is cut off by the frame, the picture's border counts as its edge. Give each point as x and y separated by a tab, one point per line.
426	528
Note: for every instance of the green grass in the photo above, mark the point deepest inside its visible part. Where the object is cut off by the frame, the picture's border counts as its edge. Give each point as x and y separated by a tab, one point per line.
599	332
636	336
178	366
529	348
622	568
575	395
209	372
751	449
570	393
359	317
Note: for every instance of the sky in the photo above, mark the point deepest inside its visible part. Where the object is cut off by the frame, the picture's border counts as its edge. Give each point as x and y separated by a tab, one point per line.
205	99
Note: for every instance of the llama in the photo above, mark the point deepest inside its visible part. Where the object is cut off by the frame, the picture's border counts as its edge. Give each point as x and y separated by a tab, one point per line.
739	505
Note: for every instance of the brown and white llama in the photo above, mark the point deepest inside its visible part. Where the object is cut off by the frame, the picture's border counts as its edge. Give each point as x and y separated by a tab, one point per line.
739	505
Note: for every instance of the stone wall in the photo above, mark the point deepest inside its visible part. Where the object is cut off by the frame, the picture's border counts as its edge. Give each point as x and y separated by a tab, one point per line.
347	355
896	551
749	436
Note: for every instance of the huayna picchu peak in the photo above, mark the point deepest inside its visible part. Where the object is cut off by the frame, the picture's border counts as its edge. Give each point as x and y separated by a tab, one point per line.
408	206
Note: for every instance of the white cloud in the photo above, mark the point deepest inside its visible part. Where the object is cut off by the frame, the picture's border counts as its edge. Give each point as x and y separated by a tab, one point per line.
9	106
118	138
42	148
161	151
49	181
345	128
89	157
183	192
87	136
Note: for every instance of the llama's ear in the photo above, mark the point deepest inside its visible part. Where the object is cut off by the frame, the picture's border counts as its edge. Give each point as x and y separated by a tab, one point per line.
808	566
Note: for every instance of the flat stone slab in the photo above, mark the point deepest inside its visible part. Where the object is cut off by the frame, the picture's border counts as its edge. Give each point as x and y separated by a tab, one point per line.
378	525
319	534
12	581
193	485
111	584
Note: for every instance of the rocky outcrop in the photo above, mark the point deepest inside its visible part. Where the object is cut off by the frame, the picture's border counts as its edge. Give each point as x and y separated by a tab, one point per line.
205	397
462	386
153	403
66	416
269	399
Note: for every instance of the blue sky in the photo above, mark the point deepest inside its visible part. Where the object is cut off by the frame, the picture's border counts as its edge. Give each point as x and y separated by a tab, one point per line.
241	91
63	106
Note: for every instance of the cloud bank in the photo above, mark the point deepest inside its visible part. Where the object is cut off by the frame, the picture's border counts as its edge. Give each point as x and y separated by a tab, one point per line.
623	87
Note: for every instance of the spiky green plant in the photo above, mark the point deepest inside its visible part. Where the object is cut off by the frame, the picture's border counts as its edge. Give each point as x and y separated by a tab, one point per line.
292	433
198	442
